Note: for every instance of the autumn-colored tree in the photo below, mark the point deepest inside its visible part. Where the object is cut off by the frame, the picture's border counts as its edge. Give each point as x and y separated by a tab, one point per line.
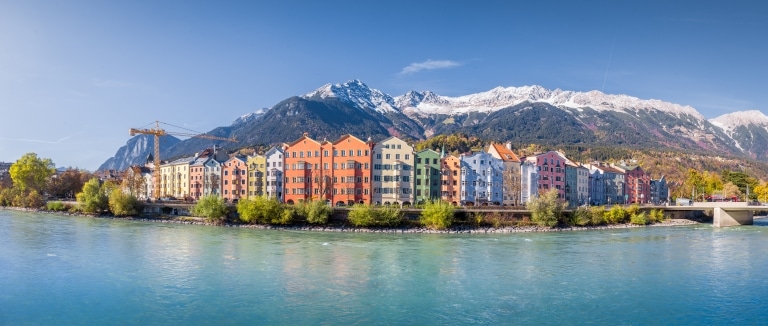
31	172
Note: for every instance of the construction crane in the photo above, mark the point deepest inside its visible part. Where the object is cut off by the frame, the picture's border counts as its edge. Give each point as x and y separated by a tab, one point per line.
157	132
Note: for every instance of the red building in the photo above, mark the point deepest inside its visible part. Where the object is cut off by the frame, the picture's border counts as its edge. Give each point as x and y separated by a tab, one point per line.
351	171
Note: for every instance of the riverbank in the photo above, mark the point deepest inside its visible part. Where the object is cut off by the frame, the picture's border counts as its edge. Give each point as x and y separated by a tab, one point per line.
346	228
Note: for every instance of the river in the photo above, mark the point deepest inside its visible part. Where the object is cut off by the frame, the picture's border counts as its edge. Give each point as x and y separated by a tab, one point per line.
83	271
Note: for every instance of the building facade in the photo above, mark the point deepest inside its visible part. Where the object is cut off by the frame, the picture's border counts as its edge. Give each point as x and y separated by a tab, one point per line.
529	180
308	170
451	179
351	164
234	179
551	169
392	172
481	180
257	167
274	173
428	176
174	178
511	174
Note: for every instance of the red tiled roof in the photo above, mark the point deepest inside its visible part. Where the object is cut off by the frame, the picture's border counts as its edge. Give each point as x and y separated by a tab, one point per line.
505	154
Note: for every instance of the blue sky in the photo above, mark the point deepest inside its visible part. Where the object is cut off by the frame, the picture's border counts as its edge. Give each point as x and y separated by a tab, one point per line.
76	75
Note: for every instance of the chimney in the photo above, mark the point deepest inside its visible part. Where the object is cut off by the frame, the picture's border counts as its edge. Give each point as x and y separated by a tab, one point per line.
509	145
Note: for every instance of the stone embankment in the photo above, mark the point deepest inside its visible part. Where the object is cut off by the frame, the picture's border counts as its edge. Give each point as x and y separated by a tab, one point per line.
345	228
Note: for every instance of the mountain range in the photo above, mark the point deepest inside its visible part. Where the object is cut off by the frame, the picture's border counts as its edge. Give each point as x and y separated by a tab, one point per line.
522	115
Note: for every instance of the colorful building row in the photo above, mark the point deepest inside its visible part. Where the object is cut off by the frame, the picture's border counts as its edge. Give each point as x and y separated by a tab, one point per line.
349	170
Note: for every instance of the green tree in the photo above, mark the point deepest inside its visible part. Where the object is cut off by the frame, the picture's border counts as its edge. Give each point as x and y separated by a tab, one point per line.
437	215
31	172
262	210
91	200
123	204
547	209
211	207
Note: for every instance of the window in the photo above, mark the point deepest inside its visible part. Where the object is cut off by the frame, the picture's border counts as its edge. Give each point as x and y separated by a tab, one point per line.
351	153
309	153
378	156
407	156
359	153
387	156
397	156
325	153
301	154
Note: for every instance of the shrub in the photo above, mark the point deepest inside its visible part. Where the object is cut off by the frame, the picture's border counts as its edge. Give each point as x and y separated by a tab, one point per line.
91	200
388	216
361	216
437	215
285	218
315	212
122	204
638	219
546	209
56	206
260	210
366	215
615	215
597	215
580	217
656	216
211	207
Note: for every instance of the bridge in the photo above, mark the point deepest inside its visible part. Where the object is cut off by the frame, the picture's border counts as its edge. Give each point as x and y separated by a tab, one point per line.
723	213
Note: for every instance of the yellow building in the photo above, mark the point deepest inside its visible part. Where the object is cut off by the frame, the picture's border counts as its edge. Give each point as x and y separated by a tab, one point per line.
256	175
174	178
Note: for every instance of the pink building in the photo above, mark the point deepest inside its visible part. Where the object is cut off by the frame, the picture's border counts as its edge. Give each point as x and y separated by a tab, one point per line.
234	175
551	170
637	185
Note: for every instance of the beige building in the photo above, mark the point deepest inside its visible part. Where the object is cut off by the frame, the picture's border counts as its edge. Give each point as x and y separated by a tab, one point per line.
392	172
256	175
174	178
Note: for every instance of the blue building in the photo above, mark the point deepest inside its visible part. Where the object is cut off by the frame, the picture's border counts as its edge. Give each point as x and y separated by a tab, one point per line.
481	179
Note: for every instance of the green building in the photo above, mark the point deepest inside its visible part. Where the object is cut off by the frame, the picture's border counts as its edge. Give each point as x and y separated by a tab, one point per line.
427	186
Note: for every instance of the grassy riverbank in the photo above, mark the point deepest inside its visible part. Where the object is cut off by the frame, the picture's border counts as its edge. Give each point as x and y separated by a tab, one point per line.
477	227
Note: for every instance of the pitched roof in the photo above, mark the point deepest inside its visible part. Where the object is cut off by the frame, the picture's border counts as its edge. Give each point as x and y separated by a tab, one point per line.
504	153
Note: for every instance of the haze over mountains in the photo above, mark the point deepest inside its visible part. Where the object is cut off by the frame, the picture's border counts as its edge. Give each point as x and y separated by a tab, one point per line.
523	115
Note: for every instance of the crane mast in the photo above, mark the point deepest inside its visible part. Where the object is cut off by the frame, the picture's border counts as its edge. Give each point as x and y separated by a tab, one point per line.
157	132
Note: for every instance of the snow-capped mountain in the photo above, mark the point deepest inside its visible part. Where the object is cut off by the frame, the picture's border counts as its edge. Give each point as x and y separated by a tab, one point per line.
748	129
250	116
734	120
524	115
357	93
425	103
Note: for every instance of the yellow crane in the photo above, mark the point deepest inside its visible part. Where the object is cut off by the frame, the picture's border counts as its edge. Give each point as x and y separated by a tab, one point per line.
157	132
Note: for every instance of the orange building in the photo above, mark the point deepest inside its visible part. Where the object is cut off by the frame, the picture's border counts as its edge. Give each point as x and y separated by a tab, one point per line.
451	179
234	175
351	171
308	170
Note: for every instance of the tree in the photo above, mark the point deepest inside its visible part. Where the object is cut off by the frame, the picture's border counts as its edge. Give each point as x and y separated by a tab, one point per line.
68	183
211	207
761	191
547	209
731	190
123	204
31	172
437	215
92	200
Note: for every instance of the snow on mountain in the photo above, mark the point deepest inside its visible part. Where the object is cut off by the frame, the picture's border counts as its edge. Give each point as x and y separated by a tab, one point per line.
425	103
250	116
357	93
730	121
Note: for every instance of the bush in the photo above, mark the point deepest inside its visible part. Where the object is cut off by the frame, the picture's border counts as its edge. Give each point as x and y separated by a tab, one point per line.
547	209
365	215
656	216
57	206
259	210
211	207
580	217
615	215
437	215
638	219
92	200
315	212
122	204
597	215
389	216
361	216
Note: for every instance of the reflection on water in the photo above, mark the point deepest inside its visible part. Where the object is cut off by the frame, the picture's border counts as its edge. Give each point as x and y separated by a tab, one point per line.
64	270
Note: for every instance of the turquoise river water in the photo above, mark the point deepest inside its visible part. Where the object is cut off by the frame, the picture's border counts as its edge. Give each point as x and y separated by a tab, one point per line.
93	271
